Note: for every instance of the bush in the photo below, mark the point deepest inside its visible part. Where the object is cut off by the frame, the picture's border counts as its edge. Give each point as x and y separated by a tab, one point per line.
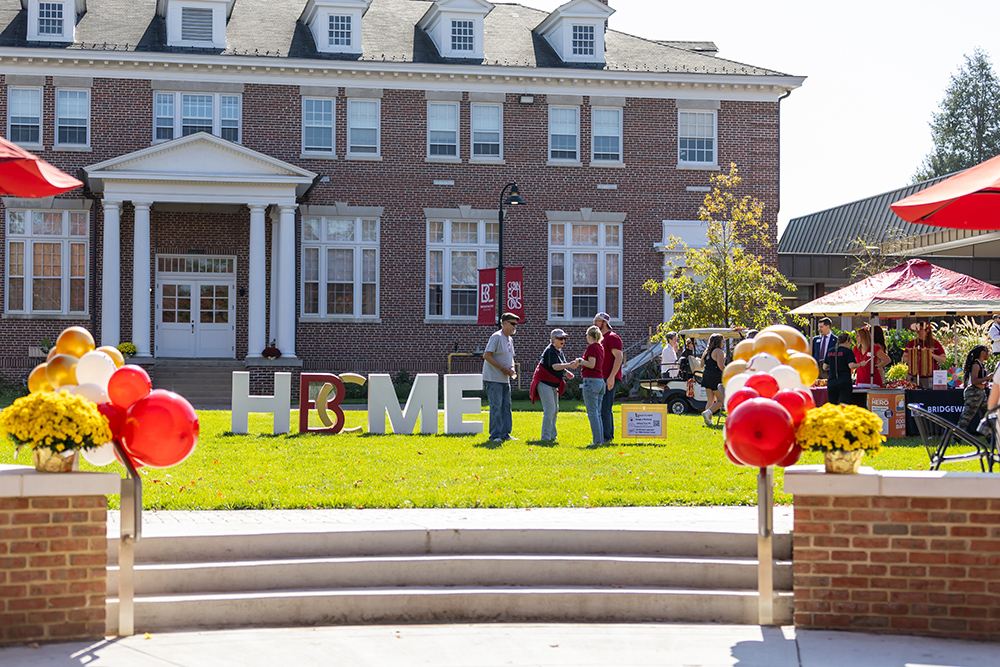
895	372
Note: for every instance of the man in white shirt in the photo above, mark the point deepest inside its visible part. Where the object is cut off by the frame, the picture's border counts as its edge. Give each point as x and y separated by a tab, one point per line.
498	369
668	358
994	332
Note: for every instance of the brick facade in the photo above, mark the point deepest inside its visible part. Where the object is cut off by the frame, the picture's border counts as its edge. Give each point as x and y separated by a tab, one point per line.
53	574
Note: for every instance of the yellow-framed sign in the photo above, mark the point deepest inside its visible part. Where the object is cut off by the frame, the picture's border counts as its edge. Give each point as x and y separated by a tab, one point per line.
644	420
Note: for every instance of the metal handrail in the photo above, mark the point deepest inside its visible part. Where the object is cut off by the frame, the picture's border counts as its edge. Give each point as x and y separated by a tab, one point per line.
130	533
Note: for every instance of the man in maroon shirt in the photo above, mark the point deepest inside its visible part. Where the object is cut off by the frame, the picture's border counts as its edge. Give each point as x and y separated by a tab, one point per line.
614	357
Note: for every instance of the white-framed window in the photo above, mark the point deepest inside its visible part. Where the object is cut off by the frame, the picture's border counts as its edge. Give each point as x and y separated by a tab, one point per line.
72	117
585	268
50	19
606	130
363	124
456	250
564	133
696	137
196	24
487	130
317	125
180	114
340	267
24	115
463	35
47	258
339	31
442	129
583	40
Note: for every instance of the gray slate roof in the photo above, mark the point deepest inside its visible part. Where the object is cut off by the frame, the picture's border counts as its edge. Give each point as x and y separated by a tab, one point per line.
271	28
833	231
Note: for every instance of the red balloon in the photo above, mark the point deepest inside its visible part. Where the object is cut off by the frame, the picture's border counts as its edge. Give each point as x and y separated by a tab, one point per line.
115	417
738	396
763	384
760	432
794	402
792	458
731	457
808	395
160	429
127	385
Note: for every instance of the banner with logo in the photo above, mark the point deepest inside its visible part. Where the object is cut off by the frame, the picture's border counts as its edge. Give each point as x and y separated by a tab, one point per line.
513	294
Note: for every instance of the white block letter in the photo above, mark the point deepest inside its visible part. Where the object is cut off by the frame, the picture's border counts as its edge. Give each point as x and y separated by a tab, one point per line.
278	405
456	405
382	401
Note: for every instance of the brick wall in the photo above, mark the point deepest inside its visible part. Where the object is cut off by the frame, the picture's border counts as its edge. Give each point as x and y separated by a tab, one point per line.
53	568
907	565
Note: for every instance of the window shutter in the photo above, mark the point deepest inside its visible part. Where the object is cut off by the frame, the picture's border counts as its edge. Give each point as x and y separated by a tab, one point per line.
196	24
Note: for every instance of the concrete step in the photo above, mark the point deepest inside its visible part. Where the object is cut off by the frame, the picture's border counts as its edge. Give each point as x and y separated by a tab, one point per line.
453	570
451	604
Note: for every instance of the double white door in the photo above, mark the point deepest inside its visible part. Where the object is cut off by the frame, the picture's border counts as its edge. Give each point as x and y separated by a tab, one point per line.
196	317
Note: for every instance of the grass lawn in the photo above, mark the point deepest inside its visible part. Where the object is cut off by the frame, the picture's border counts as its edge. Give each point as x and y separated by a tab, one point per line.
262	471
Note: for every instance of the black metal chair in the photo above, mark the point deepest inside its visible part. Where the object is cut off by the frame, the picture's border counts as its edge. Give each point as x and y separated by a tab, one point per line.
938	434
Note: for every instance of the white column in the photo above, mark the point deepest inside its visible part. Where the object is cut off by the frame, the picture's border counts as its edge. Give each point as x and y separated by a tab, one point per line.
286	282
141	296
111	278
256	321
272	329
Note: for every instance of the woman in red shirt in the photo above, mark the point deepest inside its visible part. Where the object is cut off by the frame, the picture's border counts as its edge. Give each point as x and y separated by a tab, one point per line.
593	384
863	354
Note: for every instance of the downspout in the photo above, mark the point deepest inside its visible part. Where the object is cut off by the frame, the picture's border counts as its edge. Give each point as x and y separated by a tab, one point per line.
93	251
316	181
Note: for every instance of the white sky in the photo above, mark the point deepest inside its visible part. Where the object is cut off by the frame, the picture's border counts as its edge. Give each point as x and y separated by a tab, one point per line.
876	69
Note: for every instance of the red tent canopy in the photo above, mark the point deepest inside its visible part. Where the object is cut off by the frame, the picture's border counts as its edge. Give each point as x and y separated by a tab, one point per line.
914	289
23	174
967	200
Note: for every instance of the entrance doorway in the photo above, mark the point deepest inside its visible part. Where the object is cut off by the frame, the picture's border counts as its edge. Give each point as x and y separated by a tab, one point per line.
195	306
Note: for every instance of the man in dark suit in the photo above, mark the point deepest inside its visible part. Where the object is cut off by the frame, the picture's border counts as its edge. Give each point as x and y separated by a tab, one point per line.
822	343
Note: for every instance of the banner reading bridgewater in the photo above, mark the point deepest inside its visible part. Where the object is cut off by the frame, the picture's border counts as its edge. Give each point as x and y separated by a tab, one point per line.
513	294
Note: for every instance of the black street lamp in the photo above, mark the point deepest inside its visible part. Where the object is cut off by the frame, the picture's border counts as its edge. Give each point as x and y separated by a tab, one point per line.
513	200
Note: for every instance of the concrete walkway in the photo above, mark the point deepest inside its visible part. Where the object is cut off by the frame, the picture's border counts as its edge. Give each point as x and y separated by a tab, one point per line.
570	645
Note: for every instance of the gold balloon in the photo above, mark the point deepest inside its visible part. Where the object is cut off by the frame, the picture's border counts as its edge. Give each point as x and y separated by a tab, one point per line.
743	350
75	341
794	339
61	371
732	368
771	343
806	366
52	352
114	353
37	381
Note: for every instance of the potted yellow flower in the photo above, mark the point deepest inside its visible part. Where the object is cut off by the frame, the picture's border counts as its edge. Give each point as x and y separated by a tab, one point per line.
843	433
54	426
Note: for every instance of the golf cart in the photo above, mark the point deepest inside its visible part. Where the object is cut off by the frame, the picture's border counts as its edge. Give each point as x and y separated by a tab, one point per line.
683	392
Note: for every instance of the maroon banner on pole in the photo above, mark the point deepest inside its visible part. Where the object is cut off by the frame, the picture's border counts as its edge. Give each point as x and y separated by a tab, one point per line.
487	298
514	294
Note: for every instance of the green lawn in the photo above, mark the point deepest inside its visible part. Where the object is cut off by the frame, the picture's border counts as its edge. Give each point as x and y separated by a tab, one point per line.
357	470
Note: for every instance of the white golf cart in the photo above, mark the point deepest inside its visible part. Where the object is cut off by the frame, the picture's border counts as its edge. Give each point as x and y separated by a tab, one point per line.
681	390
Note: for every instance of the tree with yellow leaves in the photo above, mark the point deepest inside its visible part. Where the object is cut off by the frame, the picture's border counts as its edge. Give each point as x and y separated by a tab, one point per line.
725	283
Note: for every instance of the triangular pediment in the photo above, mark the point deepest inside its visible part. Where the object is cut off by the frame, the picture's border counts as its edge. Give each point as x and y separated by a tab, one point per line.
575	9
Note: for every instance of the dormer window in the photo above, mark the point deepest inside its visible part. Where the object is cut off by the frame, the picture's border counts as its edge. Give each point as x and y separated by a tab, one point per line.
196	23
53	20
576	30
456	27
335	24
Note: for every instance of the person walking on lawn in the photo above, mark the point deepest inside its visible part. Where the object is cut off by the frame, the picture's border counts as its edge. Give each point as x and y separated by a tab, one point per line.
614	358
498	369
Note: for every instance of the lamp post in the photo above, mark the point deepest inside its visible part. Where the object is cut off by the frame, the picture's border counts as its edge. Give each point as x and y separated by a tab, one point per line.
513	200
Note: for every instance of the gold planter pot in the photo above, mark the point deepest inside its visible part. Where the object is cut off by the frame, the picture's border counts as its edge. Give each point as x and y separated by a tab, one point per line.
49	460
840	462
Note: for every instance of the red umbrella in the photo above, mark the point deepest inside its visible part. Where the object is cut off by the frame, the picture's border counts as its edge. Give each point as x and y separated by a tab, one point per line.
23	174
967	200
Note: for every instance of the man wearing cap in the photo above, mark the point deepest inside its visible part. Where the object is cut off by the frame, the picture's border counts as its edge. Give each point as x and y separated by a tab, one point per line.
549	381
498	369
614	356
994	332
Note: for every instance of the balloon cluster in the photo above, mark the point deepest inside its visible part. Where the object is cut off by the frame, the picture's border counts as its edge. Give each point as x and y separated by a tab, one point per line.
767	395
155	427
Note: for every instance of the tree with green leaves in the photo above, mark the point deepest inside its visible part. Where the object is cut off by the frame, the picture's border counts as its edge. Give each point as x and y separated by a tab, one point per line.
967	129
725	283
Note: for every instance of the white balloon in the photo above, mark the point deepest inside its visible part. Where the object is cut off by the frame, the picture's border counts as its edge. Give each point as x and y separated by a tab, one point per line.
95	368
100	456
787	377
736	382
762	362
91	392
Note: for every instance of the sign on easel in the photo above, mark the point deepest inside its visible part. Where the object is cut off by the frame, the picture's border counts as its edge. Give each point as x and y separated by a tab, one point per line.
640	420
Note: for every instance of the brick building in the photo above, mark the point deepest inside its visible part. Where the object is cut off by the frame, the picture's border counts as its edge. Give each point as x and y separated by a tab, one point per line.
326	174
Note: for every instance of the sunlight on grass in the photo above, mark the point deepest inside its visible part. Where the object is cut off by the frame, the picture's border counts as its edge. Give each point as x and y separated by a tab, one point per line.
358	470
